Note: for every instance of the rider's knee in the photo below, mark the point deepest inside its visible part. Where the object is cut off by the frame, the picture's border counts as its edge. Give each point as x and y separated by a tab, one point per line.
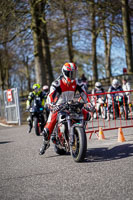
46	133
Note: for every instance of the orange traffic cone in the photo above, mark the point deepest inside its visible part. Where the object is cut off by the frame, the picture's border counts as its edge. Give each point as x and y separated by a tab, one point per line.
101	135
121	137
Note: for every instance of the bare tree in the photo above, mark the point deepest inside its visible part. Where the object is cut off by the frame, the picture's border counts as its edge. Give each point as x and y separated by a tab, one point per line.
68	27
94	40
64	30
127	35
41	43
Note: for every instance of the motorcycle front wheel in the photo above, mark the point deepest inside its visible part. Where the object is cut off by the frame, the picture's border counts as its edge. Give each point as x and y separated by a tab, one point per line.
37	126
125	112
78	149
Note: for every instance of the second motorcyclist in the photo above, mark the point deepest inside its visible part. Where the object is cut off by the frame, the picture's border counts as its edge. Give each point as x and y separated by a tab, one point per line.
36	93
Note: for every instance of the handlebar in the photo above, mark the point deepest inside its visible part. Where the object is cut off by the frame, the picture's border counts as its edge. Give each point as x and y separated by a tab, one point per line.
66	105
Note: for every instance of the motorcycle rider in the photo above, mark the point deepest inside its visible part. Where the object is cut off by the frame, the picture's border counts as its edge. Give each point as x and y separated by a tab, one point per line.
45	90
126	87
113	88
62	90
84	80
97	100
36	93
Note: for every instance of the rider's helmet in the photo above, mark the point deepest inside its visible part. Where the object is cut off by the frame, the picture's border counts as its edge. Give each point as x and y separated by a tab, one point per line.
45	88
115	83
98	85
36	88
69	71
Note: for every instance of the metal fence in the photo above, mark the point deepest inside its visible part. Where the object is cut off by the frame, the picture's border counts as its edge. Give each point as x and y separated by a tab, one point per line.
2	107
116	115
12	107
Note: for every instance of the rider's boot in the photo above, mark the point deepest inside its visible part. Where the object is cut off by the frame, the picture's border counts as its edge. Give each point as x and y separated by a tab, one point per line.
30	124
29	130
46	141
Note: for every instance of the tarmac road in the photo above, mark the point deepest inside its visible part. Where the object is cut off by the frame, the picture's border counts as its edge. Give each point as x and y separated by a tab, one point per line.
107	173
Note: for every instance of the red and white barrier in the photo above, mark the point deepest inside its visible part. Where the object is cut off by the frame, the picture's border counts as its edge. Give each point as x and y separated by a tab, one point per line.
123	120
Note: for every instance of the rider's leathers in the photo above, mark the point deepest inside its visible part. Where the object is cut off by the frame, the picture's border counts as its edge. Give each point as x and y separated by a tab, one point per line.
111	96
127	87
61	92
97	100
112	89
31	97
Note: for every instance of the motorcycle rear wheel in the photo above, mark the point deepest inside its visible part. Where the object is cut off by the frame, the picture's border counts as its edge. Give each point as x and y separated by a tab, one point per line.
78	150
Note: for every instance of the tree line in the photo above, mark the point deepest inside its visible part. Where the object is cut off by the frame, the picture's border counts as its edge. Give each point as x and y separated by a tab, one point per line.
38	36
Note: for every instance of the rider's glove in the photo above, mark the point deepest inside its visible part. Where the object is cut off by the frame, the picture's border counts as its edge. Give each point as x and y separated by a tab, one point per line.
27	108
56	108
51	106
89	107
92	109
45	106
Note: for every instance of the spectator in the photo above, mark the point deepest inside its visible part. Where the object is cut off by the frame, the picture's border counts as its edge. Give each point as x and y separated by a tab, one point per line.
126	87
115	87
84	80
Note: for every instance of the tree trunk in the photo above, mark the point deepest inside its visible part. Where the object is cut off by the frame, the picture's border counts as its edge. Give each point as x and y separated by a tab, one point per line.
127	36
68	28
1	72
40	67
27	73
43	67
107	51
4	68
94	39
46	53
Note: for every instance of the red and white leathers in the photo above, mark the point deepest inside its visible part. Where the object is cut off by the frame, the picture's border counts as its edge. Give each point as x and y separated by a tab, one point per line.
61	92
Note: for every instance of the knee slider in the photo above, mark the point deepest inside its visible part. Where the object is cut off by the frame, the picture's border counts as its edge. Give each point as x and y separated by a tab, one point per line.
46	133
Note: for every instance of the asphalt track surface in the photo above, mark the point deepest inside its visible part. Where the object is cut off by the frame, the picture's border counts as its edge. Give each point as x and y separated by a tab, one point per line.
106	174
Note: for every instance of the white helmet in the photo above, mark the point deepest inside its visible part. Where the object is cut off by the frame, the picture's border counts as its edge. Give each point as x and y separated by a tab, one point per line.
69	71
45	88
98	85
115	83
